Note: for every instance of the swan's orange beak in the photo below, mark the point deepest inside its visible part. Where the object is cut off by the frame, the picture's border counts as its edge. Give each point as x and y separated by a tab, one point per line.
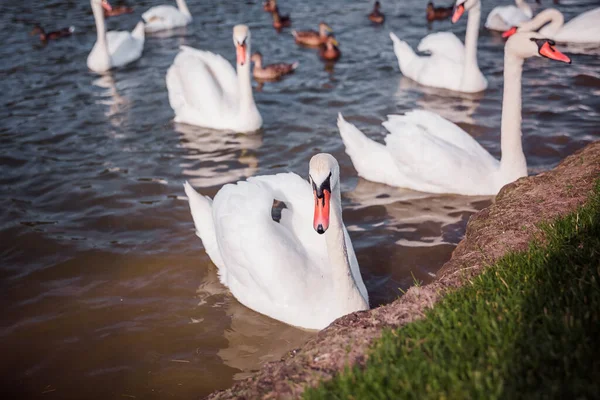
547	50
321	220
458	12
509	32
106	5
240	50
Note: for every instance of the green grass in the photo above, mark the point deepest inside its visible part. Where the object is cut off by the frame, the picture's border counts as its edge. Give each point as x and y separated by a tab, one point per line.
528	327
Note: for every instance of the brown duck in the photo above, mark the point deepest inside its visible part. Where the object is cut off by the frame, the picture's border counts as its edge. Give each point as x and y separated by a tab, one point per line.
45	36
377	16
438	13
313	38
280	21
329	50
270	5
117	10
271	71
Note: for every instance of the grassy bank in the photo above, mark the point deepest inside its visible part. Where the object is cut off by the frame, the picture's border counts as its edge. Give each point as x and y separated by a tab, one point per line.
528	327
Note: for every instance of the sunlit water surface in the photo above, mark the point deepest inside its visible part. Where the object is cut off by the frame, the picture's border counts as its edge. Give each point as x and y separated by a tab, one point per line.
107	293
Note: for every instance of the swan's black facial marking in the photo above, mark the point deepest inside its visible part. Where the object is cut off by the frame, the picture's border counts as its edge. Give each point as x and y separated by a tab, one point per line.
541	42
326	185
243	42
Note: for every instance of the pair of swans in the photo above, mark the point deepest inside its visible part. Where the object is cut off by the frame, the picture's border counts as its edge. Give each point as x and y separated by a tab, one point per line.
451	64
205	90
118	48
304	274
428	153
585	28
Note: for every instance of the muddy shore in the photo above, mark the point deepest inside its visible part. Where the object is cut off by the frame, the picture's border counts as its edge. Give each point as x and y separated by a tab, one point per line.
509	224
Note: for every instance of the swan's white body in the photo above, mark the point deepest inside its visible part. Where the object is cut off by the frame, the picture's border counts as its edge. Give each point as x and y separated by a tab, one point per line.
502	18
115	48
204	90
451	64
164	17
585	28
284	270
426	152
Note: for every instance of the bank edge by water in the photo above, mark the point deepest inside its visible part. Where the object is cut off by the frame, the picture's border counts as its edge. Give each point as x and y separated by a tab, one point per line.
499	238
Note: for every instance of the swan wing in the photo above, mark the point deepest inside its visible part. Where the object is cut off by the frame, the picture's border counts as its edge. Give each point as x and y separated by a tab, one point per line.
266	262
585	28
164	17
125	47
445	44
296	193
429	148
202	85
502	18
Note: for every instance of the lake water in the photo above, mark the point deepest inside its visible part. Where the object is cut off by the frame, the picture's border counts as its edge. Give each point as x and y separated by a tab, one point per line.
107	293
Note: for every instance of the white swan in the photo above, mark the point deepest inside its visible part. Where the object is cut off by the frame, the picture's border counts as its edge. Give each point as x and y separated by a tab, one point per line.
115	48
164	17
502	18
428	153
204	89
302	270
451	64
584	28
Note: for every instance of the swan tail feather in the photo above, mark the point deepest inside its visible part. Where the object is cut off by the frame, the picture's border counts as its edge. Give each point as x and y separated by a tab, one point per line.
404	53
201	209
367	155
138	31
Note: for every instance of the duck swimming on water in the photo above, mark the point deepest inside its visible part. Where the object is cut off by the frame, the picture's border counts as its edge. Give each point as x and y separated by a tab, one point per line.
313	38
270	5
377	16
271	71
280	21
437	13
45	36
117	10
329	51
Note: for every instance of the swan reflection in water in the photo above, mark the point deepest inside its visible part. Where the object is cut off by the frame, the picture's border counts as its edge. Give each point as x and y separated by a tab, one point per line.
117	103
457	107
215	158
253	339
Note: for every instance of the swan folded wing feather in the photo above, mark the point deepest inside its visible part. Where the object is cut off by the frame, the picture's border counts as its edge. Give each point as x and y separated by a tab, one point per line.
201	209
296	193
445	44
220	69
195	86
583	28
437	70
164	17
428	157
123	47
261	254
505	17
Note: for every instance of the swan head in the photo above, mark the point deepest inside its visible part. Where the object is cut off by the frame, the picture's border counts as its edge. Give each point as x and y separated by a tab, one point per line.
241	40
324	174
461	6
103	3
531	44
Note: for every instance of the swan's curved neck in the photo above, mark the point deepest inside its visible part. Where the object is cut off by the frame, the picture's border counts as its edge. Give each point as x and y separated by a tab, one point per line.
182	6
244	83
343	281
471	68
100	29
512	164
550	16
